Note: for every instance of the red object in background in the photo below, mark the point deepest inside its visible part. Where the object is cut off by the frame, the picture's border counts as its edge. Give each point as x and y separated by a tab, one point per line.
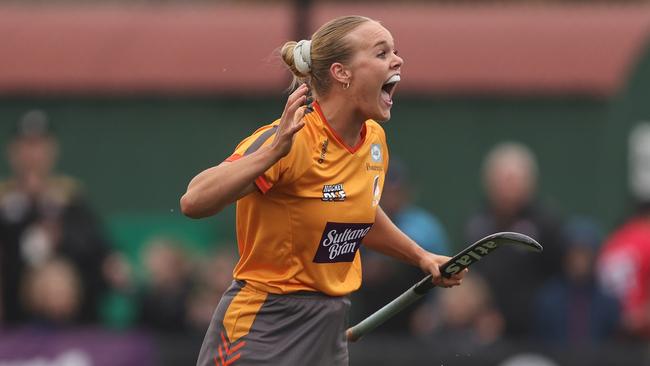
624	268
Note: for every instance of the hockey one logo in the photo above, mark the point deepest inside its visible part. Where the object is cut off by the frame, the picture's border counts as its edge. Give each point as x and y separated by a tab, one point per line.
333	192
340	242
473	255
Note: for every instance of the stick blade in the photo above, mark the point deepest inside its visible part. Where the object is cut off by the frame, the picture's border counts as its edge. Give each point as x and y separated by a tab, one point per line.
512	238
481	248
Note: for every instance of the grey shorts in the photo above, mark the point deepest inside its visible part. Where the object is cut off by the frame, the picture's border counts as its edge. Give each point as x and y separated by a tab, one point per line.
252	327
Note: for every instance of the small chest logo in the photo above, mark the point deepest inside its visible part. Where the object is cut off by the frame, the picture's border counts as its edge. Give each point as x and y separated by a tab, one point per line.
375	153
323	151
340	242
376	191
333	192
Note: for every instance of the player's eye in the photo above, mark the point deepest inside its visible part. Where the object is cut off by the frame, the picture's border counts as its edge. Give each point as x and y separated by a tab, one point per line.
381	54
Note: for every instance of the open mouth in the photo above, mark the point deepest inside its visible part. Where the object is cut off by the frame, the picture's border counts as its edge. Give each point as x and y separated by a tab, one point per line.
388	89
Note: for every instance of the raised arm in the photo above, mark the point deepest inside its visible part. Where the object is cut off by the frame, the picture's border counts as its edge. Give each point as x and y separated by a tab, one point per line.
385	237
215	188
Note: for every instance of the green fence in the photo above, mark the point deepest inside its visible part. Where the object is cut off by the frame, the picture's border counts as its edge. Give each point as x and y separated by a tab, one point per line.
136	156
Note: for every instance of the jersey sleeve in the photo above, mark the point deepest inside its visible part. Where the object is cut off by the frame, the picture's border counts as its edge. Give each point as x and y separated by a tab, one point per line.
262	137
280	171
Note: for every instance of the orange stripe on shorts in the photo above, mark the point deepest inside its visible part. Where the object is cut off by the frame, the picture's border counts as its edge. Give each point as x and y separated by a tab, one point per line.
241	312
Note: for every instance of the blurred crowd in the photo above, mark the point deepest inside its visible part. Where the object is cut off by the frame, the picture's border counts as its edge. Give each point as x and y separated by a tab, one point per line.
59	269
588	286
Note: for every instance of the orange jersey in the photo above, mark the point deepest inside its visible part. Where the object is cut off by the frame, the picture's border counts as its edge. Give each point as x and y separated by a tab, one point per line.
303	229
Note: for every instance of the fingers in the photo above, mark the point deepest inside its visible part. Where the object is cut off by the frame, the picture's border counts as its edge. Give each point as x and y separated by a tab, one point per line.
300	91
299	122
296	100
454	280
451	282
460	274
290	111
294	110
432	263
291	121
437	279
298	94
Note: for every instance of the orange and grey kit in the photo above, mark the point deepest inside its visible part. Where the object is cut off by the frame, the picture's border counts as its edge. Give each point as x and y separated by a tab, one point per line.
298	240
252	327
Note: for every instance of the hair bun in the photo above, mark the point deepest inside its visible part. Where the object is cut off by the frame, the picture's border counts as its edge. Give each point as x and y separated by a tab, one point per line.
293	57
302	56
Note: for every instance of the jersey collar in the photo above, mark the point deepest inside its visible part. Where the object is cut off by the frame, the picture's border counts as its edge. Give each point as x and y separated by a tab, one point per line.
351	149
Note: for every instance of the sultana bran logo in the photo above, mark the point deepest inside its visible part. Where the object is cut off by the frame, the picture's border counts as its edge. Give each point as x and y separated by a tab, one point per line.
340	242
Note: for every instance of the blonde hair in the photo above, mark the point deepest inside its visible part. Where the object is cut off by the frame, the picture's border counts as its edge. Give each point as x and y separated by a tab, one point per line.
328	45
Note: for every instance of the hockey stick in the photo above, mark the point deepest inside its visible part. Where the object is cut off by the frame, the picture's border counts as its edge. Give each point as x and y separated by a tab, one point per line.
457	263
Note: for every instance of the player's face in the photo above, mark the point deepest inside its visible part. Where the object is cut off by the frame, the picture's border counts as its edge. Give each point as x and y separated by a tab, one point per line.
375	70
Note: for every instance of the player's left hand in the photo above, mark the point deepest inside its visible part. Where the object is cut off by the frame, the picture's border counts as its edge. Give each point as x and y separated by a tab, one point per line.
431	263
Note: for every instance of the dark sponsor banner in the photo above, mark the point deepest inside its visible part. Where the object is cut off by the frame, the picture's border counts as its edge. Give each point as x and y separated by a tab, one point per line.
340	242
37	347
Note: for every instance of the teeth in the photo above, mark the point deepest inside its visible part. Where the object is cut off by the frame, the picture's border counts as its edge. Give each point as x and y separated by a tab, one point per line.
393	79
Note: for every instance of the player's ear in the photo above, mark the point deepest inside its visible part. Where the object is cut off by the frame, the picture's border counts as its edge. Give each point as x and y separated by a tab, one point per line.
340	73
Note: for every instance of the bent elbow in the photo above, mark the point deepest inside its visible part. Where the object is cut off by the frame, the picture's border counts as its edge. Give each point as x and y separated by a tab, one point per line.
195	208
189	207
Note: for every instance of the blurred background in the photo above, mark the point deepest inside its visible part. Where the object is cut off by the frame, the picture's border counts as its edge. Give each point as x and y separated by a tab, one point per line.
529	116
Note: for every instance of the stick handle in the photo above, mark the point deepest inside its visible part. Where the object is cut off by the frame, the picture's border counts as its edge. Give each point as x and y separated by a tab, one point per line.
388	311
457	263
426	283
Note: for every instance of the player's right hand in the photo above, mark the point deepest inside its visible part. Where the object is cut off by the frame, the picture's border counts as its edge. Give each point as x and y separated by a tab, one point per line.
291	122
431	264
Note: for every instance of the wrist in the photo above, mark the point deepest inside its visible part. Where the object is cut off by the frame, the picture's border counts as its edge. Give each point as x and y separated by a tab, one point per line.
424	260
272	154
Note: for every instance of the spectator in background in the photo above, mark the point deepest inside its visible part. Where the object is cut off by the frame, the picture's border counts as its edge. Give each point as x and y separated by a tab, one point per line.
44	216
165	295
52	294
572	309
383	277
466	313
515	276
213	276
416	222
624	263
624	269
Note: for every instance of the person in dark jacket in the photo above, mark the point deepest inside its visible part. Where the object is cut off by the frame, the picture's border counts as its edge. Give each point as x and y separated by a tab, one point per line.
573	308
43	215
514	275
